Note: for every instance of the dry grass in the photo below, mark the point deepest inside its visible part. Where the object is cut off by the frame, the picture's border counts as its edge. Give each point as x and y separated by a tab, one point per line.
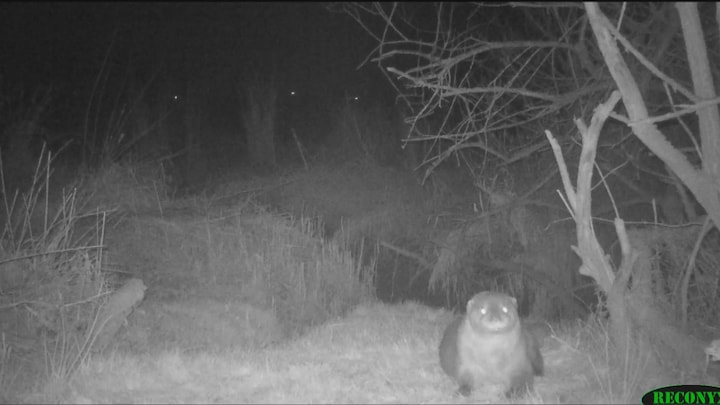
589	357
268	261
377	354
127	186
52	284
228	278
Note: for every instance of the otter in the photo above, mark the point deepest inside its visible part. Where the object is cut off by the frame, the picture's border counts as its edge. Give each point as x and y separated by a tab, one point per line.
489	345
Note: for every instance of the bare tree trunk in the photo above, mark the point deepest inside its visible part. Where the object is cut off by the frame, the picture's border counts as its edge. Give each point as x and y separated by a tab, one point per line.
259	120
702	183
704	88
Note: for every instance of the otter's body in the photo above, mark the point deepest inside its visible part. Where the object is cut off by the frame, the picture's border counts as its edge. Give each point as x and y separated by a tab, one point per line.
488	345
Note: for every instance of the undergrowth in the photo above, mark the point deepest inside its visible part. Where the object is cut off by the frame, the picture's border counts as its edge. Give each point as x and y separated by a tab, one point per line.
50	277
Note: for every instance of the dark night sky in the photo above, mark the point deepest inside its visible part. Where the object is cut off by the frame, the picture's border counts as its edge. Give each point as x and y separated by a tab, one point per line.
63	44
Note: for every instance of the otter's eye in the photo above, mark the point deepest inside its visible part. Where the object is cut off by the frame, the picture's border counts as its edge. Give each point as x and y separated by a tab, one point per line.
505	309
483	310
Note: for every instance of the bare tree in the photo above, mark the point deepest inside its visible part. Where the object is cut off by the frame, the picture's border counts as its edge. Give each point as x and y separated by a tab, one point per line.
478	90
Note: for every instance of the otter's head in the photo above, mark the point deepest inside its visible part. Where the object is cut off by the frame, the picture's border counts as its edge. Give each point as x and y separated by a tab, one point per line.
492	312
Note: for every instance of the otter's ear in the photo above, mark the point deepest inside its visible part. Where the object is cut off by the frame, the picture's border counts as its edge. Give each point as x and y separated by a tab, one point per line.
514	300
469	305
